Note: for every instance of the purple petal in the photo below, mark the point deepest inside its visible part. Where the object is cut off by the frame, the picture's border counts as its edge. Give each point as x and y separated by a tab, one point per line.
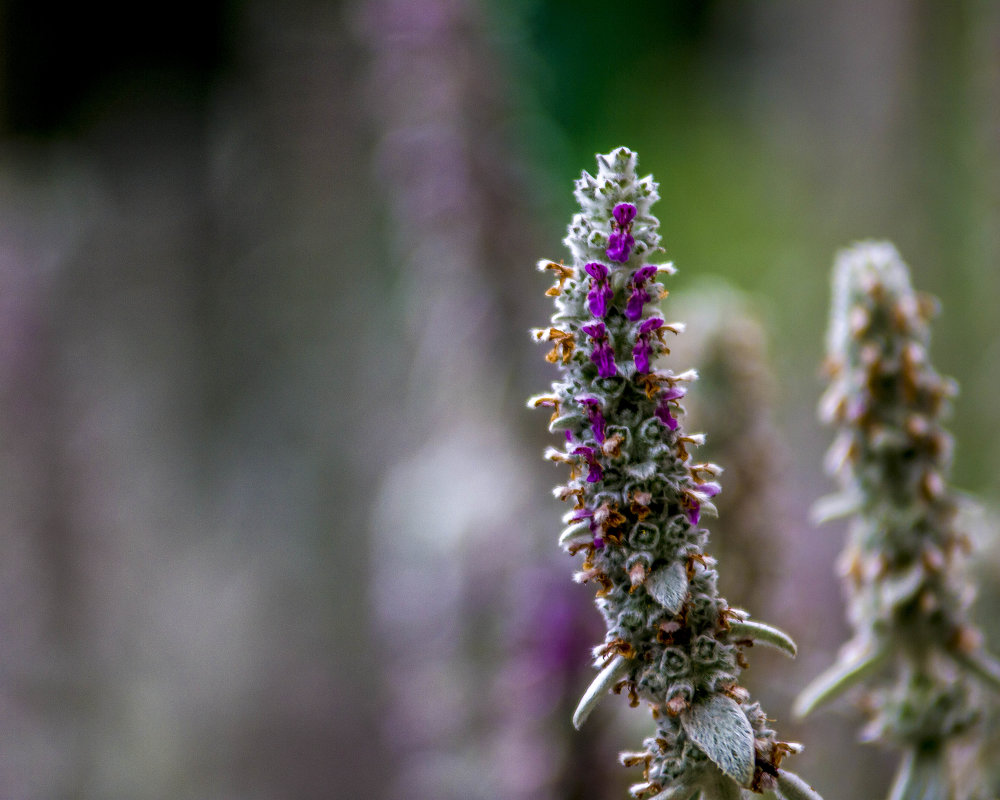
633	308
693	512
620	247
708	489
643	274
597	270
598	298
624	213
663	414
595	331
597	426
650	324
604	357
595	472
640	355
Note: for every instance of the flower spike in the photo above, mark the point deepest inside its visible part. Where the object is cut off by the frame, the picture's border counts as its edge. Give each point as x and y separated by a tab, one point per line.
671	640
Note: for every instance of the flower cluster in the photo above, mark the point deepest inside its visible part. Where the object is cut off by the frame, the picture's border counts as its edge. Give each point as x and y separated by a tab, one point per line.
638	497
892	458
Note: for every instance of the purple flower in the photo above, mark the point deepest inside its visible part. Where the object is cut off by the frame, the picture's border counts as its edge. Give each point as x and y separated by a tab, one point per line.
603	354
600	293
584	513
692	499
594	472
593	408
639	296
620	247
662	412
624	213
620	242
643	347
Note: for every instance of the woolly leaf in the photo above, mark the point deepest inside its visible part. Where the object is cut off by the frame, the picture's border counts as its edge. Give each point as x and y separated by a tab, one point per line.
577	533
835	506
792	787
853	668
899	588
721	730
760	633
922	776
566	422
668	585
616	669
642	469
682	791
720	787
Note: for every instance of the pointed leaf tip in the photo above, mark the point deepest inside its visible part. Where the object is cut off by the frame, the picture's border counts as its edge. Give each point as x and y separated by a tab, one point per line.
763	634
792	787
616	669
722	731
844	674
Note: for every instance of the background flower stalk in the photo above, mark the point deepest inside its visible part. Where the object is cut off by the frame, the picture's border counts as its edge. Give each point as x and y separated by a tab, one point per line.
637	499
914	647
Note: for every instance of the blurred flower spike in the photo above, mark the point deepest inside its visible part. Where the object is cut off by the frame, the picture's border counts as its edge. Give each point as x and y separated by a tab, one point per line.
914	647
671	640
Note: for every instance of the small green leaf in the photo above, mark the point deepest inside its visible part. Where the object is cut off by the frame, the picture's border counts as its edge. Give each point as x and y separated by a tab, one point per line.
897	589
835	506
721	730
565	422
576	533
853	668
792	787
760	633
616	669
668	586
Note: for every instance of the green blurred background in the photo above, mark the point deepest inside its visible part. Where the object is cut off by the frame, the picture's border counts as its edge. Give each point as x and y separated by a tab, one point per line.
274	519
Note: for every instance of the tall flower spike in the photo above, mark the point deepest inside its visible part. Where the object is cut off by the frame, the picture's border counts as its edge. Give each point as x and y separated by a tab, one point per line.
914	647
671	640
